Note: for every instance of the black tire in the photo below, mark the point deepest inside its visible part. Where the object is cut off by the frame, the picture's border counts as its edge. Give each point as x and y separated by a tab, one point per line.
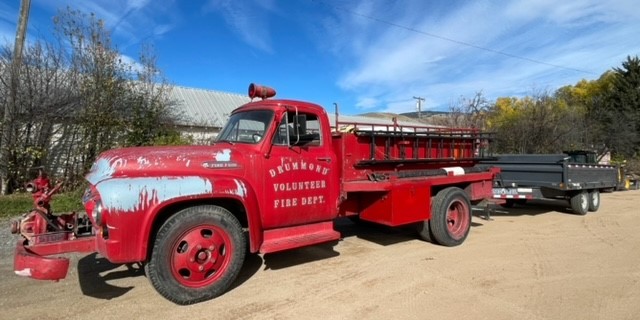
450	217
424	230
580	203
197	254
594	200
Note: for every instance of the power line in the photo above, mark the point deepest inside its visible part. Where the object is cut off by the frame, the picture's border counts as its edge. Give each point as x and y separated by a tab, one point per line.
433	35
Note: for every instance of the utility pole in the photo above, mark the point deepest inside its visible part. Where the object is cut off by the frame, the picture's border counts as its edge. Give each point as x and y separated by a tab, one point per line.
419	105
12	105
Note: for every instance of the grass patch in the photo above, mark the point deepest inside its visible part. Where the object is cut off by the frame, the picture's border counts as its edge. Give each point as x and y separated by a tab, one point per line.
19	203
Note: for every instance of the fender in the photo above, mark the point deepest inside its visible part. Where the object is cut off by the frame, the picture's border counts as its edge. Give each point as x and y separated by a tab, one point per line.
142	199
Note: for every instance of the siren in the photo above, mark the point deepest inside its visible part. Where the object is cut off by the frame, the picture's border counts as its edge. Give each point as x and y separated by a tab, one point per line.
258	91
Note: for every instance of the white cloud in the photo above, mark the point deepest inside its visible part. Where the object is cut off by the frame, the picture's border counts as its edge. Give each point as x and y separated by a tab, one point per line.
367	103
247	19
391	54
132	21
137	4
132	63
572	13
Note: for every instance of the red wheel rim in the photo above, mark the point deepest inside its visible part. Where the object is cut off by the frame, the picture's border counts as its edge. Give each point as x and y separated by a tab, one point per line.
458	219
200	256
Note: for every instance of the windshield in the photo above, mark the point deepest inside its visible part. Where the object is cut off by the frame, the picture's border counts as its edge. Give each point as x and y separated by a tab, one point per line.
246	127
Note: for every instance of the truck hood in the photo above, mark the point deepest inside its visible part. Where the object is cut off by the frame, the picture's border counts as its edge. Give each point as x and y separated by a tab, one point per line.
164	161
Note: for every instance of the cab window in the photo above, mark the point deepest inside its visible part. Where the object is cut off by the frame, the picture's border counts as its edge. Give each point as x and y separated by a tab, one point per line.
302	129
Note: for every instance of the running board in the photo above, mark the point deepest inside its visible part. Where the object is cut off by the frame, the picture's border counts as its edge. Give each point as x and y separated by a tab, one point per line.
298	236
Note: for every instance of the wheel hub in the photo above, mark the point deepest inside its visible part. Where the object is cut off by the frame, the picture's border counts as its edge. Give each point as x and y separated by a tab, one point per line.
199	256
456	219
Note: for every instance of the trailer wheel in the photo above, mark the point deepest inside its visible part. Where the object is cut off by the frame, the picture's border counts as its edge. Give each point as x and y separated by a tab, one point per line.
450	217
580	203
594	200
197	254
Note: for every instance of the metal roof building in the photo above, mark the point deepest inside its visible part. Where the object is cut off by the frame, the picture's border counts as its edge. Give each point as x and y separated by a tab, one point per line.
205	108
204	112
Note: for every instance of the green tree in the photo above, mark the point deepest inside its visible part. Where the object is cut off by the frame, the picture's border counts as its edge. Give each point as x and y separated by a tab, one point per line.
622	120
587	97
540	123
465	113
78	97
123	104
152	116
104	80
45	98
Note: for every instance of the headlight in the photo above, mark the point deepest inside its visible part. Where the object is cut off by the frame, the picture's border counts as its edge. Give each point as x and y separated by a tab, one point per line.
93	206
96	213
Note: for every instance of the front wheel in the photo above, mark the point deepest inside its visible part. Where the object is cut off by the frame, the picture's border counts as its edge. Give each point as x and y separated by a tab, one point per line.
580	203
197	254
450	218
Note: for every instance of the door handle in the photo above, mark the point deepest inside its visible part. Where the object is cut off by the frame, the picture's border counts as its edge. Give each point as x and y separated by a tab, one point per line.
325	159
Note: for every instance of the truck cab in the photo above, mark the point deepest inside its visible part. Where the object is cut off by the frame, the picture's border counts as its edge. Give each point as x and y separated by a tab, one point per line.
291	166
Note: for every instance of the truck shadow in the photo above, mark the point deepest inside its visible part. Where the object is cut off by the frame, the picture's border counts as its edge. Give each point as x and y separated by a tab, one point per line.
94	274
95	285
531	208
372	232
376	233
252	263
299	256
379	234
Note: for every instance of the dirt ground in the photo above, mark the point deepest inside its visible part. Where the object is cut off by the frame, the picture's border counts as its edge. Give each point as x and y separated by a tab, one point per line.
532	262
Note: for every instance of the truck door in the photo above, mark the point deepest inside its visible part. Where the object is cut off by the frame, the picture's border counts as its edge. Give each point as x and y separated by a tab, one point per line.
299	175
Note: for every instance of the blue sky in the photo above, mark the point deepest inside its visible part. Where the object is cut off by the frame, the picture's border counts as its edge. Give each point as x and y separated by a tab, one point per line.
365	55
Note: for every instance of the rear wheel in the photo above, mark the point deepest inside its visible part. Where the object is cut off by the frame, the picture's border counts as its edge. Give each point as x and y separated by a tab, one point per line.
424	230
580	203
594	200
450	218
197	254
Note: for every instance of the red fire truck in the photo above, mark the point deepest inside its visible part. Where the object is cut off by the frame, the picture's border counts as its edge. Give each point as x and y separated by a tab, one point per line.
278	174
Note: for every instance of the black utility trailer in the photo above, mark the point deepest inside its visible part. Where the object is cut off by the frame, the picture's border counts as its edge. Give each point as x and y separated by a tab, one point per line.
525	177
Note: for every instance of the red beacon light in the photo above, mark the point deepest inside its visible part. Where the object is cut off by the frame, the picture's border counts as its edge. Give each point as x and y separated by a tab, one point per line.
258	91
